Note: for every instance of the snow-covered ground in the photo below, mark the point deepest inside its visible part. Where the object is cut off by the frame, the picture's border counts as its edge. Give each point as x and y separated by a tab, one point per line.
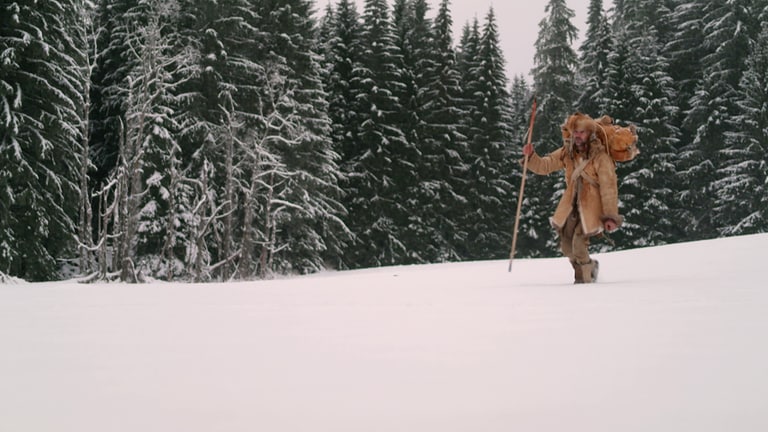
672	338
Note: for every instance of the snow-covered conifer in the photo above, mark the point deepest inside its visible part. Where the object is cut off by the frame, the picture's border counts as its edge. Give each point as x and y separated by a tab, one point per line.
490	139
554	71
742	185
726	43
42	73
639	90
377	161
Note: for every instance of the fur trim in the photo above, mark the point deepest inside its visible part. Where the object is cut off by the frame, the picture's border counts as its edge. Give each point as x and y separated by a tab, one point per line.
577	121
618	219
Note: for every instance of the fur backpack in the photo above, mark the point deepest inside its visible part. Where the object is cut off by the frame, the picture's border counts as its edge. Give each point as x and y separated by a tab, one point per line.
620	141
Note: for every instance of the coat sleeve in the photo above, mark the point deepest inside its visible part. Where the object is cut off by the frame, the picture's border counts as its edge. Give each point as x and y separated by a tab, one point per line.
547	164
609	190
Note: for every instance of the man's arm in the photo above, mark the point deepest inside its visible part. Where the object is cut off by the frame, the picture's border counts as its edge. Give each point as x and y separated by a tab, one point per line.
543	164
609	193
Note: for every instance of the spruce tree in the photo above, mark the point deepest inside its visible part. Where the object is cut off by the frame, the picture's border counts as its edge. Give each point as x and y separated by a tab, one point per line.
468	50
220	105
325	35
442	170
116	60
593	61
150	132
343	51
342	57
685	53
378	160
489	188
431	93
555	65
307	199
114	63
467	54
714	103
639	90
42	72
742	185
139	211
415	42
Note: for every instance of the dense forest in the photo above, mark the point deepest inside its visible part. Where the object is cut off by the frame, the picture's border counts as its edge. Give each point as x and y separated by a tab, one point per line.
206	140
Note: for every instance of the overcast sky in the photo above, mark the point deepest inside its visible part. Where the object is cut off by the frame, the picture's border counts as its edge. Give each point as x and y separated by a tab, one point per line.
518	23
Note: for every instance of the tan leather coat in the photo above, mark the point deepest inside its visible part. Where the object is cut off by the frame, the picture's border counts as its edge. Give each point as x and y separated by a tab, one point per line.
591	177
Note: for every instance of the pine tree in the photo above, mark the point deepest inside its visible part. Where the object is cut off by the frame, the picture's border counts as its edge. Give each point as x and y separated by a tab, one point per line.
325	36
555	64
431	91
415	42
467	50
141	204
726	46
343	55
151	131
113	65
308	198
490	162
42	72
742	186
467	57
639	90
593	61
375	165
442	170
685	52
115	61
220	104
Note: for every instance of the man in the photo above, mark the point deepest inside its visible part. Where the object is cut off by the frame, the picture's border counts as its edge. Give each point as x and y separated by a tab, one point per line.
590	202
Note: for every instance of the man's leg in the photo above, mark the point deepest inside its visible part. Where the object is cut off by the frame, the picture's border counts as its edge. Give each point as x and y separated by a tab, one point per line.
580	245
588	266
567	244
567	233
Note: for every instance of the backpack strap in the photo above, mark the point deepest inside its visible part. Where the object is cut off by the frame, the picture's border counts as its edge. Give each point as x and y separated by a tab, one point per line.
578	172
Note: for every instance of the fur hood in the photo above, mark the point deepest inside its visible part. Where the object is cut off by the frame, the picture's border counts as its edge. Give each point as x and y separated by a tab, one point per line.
579	121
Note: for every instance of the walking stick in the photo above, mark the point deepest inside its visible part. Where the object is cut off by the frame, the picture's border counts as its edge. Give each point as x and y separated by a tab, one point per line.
522	189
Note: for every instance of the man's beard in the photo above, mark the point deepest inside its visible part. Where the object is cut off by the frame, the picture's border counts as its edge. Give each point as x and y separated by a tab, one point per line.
579	145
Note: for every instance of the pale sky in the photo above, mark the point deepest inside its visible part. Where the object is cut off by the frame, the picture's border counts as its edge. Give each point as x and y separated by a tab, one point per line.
518	23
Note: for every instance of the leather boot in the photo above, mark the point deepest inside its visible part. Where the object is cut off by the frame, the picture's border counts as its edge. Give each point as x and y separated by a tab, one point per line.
589	271
578	277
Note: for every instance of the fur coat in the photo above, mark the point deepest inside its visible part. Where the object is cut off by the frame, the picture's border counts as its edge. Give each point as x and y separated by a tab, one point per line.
591	177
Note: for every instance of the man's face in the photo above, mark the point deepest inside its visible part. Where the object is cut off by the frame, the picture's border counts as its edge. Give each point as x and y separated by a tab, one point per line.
580	138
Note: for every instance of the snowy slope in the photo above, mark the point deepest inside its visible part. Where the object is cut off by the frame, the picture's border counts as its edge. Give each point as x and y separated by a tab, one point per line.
673	338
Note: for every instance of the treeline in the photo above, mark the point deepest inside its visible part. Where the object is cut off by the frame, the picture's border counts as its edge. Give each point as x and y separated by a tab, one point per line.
238	139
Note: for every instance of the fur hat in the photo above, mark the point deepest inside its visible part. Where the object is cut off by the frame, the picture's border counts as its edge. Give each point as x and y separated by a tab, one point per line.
580	121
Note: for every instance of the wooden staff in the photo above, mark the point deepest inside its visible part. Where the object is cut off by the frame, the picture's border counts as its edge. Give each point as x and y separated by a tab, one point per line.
522	189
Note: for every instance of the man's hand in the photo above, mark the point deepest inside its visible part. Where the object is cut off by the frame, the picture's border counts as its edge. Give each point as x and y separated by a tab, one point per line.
610	225
528	149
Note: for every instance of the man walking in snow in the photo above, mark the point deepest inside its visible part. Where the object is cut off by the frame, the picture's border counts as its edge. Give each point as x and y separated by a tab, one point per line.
590	202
